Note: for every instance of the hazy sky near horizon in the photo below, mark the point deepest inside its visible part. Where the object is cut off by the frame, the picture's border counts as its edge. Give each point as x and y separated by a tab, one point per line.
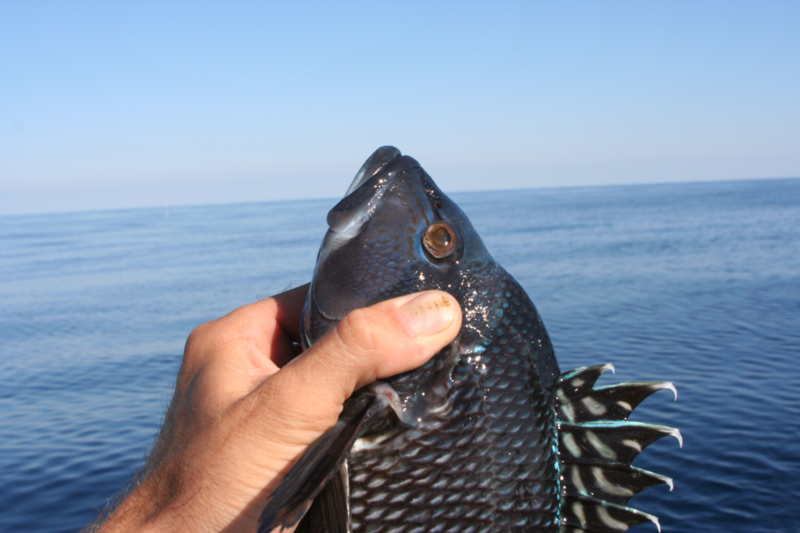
110	104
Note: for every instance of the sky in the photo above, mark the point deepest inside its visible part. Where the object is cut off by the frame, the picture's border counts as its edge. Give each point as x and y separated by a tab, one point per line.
107	105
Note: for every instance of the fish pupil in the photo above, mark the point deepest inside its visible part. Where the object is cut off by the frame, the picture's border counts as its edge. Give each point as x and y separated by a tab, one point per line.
442	237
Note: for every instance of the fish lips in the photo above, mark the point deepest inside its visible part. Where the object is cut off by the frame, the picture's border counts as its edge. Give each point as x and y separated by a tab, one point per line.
364	194
374	163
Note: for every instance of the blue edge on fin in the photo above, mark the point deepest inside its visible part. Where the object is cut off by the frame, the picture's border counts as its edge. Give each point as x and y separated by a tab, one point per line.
597	445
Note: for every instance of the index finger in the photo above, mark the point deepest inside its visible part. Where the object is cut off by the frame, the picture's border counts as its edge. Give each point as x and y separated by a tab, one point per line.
290	309
258	335
286	310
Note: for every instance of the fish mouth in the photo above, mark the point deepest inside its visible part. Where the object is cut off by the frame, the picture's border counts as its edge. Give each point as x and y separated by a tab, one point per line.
379	159
372	185
362	197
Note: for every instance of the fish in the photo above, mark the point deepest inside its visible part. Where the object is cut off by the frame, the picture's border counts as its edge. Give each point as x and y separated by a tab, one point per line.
487	436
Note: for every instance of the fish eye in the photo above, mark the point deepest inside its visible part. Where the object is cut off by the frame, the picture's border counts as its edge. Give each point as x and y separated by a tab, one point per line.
439	239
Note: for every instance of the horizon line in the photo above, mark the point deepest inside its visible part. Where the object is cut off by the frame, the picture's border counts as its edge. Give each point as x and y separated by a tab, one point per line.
454	192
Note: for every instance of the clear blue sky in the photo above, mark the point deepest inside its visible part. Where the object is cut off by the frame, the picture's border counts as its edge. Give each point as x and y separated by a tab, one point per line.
122	104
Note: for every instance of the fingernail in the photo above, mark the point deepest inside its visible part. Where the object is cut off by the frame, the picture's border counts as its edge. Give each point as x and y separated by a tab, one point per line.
429	312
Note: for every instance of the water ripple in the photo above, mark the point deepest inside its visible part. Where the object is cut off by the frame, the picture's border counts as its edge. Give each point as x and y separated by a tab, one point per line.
696	283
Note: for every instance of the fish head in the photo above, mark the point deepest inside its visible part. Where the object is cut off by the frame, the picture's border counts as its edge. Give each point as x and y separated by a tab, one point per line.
393	233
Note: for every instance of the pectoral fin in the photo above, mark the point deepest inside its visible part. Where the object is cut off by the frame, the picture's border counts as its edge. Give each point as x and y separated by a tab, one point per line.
330	512
317	466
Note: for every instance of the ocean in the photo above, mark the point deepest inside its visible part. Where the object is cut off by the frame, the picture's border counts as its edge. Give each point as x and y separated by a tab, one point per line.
697	283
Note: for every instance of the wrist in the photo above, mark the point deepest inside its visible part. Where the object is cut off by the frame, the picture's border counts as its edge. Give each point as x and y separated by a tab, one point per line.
143	511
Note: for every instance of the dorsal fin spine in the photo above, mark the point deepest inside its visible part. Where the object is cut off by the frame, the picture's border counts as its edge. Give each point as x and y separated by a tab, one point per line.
597	445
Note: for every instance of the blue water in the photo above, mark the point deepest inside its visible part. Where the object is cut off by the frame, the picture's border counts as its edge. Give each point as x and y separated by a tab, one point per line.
694	283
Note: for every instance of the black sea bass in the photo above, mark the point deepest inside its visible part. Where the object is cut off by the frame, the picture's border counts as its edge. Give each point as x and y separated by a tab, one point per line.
488	436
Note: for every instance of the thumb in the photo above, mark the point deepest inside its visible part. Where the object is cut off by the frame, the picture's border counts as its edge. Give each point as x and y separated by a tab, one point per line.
375	342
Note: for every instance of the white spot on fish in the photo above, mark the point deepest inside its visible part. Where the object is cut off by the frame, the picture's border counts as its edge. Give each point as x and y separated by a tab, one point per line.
632	444
569	441
576	479
577	509
604	450
602	512
569	411
593	407
607	486
625	405
367	443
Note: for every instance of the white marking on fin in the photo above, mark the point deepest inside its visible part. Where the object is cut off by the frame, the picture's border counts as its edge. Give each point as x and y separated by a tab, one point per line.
653	519
569	411
677	434
625	405
670	386
593	407
602	512
577	382
367	443
576	479
602	448
632	444
569	441
607	486
577	508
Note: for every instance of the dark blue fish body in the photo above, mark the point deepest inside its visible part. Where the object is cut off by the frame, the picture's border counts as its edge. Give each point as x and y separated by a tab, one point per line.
488	435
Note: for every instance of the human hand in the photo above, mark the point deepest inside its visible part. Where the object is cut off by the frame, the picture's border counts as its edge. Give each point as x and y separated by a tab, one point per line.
245	409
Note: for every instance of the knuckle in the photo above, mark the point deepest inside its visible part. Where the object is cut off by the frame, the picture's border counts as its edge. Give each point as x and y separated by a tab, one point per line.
374	335
358	331
200	344
197	338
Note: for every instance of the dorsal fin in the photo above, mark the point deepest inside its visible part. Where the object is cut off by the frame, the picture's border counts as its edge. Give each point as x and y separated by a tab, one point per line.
592	515
597	445
617	482
612	402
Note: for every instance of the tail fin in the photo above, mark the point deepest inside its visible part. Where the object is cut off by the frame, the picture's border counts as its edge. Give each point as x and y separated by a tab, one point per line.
597	445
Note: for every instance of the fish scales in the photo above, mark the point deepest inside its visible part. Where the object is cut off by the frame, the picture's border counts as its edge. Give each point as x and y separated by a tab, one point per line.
489	462
487	436
501	421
